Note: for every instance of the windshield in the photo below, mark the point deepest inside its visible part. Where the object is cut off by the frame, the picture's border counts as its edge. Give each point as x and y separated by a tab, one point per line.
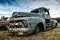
24	14
20	14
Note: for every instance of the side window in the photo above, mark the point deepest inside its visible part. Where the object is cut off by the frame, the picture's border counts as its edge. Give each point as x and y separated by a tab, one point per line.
46	12
47	16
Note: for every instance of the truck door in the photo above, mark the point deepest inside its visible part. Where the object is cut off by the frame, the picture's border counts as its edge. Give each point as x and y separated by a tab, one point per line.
47	16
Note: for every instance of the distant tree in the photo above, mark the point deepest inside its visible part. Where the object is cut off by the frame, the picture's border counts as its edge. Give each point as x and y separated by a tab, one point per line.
58	19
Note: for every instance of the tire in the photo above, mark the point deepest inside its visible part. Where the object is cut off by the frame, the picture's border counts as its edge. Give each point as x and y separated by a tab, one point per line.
56	25
36	30
39	28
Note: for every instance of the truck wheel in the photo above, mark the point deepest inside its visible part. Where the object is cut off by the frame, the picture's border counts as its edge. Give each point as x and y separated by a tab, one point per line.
56	25
39	28
36	30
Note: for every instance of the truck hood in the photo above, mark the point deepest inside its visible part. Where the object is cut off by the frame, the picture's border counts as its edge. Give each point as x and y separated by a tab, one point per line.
20	18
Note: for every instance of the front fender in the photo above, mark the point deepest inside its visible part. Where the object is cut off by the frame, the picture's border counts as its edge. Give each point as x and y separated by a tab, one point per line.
33	21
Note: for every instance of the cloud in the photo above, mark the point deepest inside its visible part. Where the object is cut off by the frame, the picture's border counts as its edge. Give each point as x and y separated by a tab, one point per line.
8	2
7	7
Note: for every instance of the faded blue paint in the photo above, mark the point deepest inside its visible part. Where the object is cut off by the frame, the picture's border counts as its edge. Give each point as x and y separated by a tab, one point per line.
53	22
32	20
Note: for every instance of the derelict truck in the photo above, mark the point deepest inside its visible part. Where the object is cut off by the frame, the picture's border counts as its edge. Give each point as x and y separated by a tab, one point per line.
24	23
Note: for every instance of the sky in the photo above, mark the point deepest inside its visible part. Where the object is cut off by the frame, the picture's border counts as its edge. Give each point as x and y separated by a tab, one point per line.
7	7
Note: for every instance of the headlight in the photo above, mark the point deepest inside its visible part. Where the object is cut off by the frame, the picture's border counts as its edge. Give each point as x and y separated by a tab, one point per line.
23	23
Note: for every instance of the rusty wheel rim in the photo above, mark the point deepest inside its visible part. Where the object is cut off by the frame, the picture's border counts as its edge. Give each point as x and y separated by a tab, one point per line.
37	29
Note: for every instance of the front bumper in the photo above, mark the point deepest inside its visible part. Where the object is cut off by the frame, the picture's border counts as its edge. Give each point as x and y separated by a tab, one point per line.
19	31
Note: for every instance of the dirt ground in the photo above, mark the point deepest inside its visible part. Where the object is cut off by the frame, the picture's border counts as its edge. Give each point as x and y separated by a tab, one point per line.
53	34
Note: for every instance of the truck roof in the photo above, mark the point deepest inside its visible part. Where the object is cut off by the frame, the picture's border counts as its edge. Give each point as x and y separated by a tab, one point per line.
39	9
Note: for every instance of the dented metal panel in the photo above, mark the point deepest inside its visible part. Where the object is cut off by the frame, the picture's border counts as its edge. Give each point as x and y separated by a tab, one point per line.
30	20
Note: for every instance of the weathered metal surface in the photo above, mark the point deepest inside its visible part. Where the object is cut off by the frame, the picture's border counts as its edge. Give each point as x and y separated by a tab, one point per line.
31	20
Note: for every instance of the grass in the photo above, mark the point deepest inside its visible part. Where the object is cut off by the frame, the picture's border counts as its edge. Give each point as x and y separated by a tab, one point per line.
53	34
